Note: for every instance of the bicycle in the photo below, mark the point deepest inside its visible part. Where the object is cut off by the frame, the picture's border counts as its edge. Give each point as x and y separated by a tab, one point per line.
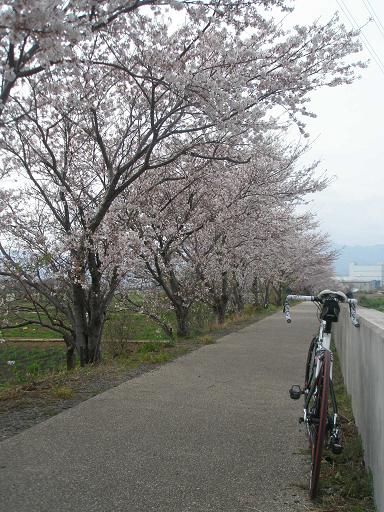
320	407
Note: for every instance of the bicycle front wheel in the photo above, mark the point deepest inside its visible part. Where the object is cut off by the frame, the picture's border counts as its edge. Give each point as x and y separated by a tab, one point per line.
318	422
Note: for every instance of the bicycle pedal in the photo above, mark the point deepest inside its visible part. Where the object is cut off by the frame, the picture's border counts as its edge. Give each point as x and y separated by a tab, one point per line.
295	392
336	448
301	419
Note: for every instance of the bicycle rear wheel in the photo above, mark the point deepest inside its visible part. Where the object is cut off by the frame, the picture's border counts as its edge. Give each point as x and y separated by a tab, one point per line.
310	365
318	416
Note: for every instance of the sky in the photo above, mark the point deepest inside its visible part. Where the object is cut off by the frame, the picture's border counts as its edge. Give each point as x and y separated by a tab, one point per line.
348	133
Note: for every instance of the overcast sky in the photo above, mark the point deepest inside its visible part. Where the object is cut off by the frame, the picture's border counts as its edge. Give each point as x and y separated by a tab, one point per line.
350	131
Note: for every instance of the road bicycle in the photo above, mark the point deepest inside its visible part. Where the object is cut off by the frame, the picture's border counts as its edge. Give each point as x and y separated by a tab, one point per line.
320	415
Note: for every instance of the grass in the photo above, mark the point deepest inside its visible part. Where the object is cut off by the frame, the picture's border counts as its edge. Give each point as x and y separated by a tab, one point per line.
32	331
372	302
135	326
153	353
150	347
345	482
152	358
29	332
20	364
250	314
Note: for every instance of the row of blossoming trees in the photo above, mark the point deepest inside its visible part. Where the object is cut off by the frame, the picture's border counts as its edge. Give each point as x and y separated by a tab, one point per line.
146	139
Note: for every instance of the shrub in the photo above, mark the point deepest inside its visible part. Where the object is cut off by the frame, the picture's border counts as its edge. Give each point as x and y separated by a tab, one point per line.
118	332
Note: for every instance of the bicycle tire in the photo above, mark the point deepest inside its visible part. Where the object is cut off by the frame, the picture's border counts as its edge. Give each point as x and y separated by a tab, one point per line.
320	429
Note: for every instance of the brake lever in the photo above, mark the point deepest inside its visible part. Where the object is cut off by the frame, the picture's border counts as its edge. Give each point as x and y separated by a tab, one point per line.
287	313
352	314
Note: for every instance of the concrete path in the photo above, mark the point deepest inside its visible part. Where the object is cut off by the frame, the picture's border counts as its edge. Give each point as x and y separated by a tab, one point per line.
214	431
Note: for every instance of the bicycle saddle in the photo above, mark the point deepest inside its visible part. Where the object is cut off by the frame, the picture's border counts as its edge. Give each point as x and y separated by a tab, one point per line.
329	293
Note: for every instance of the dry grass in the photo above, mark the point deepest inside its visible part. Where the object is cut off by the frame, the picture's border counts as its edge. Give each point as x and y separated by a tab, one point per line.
62	392
206	340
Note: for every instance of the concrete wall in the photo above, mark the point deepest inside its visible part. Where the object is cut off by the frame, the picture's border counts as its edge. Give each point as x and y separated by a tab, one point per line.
361	352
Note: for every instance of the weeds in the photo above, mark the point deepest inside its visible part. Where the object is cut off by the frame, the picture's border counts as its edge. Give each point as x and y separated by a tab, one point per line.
153	358
346	484
146	348
19	364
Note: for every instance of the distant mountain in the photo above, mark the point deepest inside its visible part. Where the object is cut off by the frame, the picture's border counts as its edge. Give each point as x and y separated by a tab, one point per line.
360	254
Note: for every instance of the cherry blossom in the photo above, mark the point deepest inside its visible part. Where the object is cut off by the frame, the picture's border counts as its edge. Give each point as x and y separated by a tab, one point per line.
150	148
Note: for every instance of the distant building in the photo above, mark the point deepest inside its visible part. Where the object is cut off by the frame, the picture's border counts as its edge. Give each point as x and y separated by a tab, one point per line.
361	285
365	278
367	272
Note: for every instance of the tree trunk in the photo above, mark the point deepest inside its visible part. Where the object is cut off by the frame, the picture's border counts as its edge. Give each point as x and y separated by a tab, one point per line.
266	295
238	296
95	331
71	358
221	301
94	353
278	295
182	314
80	323
256	292
71	352
89	316
220	309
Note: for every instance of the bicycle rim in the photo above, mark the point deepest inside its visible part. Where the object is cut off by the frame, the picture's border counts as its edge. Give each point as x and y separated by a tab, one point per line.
319	428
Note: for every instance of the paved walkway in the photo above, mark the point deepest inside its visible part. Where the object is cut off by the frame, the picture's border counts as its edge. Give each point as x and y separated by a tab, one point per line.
214	431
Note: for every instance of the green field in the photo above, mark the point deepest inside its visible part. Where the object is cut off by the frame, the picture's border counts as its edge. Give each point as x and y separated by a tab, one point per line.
25	361
136	326
28	361
121	323
32	331
21	362
132	326
373	302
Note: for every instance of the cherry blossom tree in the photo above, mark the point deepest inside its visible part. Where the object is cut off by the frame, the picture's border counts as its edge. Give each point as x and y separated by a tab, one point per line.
60	276
294	259
112	94
198	234
166	218
36	34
